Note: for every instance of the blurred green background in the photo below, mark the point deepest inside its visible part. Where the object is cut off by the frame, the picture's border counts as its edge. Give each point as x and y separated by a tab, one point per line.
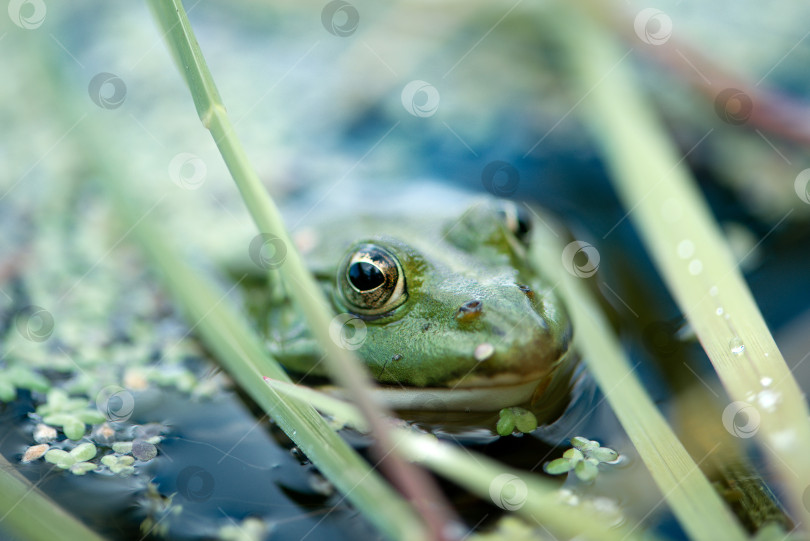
323	97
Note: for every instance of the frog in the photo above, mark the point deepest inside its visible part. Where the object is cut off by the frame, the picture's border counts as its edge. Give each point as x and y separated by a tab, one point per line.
448	312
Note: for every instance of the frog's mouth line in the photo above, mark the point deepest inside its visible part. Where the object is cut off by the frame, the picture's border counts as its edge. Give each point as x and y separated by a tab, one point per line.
478	399
480	394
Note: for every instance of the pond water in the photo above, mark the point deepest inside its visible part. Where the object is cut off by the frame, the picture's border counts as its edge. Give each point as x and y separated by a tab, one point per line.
321	110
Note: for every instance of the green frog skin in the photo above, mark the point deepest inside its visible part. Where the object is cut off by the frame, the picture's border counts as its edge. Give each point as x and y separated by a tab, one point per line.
455	316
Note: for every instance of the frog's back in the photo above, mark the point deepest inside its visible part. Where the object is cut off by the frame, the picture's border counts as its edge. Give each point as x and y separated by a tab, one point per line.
324	225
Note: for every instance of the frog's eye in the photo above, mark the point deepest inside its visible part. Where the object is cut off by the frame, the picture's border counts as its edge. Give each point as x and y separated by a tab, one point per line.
371	280
516	220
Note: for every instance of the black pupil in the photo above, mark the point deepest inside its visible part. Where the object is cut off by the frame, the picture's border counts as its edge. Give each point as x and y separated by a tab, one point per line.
365	276
523	224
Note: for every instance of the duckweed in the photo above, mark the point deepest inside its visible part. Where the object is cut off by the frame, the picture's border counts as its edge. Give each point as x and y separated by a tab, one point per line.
515	418
583	458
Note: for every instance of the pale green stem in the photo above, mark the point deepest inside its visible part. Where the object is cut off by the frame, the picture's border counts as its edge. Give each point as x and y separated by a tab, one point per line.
688	247
341	363
226	333
683	486
26	513
536	499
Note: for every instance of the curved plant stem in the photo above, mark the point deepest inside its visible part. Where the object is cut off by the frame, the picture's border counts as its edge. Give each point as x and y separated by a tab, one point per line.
26	513
245	358
239	350
341	363
775	112
685	242
540	502
689	494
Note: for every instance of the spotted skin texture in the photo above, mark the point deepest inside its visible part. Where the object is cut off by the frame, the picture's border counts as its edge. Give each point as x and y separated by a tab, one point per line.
471	313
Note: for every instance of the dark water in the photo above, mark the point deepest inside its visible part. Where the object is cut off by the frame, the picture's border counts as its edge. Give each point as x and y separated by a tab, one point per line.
221	461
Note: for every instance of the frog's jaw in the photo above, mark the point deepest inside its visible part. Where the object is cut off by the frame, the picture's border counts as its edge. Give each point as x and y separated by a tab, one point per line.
484	394
477	399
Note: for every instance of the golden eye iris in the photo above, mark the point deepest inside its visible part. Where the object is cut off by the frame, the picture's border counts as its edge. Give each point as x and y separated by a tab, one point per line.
371	280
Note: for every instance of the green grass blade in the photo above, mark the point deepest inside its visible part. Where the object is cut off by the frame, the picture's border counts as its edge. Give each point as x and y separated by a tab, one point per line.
298	281
296	276
684	487
536	499
481	475
341	411
245	358
686	244
26	513
239	350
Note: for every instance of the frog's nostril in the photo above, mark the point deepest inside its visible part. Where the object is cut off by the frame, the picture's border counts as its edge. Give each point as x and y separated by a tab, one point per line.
470	310
527	290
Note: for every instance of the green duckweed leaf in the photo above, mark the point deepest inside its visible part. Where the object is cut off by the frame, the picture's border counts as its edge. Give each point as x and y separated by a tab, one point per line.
586	470
558	466
604	454
84	452
90	416
574	455
525	421
25	378
506	422
73	429
122	447
579	442
80	468
60	458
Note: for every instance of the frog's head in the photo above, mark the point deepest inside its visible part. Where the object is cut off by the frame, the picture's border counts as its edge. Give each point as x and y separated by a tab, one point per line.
458	309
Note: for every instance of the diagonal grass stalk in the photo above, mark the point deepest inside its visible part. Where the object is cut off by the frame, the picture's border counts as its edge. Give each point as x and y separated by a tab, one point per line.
244	356
482	476
304	290
26	513
236	347
686	244
684	487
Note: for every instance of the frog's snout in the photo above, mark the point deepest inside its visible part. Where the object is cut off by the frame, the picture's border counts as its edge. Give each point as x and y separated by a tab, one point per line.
473	309
510	329
470	311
